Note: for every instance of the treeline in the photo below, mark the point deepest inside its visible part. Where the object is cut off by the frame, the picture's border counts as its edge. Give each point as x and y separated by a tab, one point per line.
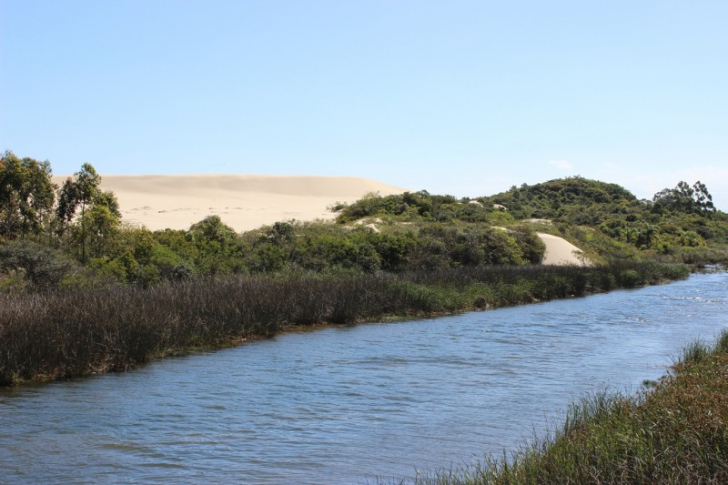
210	248
33	208
73	235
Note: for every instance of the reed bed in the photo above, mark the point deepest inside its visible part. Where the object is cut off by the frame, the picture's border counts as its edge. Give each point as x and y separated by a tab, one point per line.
675	431
64	334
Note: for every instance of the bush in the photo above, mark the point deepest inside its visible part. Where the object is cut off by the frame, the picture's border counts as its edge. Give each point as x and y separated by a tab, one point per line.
41	266
91	329
629	278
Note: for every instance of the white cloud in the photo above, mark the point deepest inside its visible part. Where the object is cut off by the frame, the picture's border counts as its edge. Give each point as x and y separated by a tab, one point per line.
561	164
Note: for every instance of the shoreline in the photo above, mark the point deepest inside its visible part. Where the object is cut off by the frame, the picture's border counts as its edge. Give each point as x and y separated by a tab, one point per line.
114	335
673	430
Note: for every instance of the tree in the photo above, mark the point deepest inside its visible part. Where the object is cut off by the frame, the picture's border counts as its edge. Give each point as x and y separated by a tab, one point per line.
218	246
26	196
211	231
703	199
40	265
81	190
66	208
101	222
687	199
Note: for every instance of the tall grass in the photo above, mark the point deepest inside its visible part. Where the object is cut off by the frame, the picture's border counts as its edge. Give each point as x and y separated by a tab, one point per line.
73	333
675	432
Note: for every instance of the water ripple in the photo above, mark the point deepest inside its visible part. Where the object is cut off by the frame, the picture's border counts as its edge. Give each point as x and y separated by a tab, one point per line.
343	405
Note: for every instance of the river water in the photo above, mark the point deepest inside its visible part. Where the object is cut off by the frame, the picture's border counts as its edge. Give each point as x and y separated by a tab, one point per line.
347	405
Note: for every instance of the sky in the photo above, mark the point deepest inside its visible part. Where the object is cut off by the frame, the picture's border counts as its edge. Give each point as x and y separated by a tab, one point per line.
454	97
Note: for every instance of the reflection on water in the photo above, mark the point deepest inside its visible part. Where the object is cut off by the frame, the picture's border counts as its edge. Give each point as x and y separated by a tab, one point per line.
343	405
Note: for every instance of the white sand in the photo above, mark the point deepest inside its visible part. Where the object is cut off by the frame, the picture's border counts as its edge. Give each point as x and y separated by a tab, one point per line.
560	252
244	202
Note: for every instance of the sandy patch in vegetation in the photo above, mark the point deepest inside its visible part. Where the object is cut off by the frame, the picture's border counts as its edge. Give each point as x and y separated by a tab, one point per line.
560	252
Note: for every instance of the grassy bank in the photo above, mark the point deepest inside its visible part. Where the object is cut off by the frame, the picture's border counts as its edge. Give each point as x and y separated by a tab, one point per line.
54	335
674	431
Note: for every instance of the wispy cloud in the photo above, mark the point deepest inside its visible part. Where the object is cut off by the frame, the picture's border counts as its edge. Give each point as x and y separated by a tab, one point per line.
561	164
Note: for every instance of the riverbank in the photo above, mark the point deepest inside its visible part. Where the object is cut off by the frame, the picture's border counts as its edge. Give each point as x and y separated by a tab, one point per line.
674	431
61	335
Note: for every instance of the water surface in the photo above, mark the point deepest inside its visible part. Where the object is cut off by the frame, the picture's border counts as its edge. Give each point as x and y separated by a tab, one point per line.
344	405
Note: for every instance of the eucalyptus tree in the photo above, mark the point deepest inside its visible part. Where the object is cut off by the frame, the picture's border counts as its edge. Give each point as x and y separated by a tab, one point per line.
687	199
27	194
99	211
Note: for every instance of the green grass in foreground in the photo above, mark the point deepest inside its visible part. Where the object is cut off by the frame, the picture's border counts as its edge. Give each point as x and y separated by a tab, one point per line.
66	334
675	431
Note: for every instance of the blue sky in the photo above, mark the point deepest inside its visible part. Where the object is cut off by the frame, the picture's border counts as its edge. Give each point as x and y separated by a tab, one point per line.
460	97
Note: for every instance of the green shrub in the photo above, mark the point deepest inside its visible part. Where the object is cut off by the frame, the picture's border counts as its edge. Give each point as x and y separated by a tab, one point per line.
41	266
629	278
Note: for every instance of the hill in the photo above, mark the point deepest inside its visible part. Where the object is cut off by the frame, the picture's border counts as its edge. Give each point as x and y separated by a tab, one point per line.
605	219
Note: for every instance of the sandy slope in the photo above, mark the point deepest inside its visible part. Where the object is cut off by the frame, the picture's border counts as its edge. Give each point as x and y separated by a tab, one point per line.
560	252
243	202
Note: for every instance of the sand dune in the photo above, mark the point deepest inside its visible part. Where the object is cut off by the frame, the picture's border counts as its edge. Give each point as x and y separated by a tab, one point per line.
243	202
560	252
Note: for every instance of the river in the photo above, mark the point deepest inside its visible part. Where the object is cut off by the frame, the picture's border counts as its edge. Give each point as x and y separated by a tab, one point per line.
349	404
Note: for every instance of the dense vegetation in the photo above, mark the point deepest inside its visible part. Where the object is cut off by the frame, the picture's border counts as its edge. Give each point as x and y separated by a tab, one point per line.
606	220
118	328
679	222
73	236
122	295
674	431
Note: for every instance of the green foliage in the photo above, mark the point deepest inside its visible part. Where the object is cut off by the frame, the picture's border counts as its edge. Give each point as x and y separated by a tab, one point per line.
629	278
394	250
468	245
686	199
81	190
219	249
531	245
93	328
571	199
41	266
678	218
110	269
414	206
212	231
424	298
500	218
99	218
26	196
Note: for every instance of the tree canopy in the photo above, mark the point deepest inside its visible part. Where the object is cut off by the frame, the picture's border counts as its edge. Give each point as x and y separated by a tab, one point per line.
686	199
27	195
